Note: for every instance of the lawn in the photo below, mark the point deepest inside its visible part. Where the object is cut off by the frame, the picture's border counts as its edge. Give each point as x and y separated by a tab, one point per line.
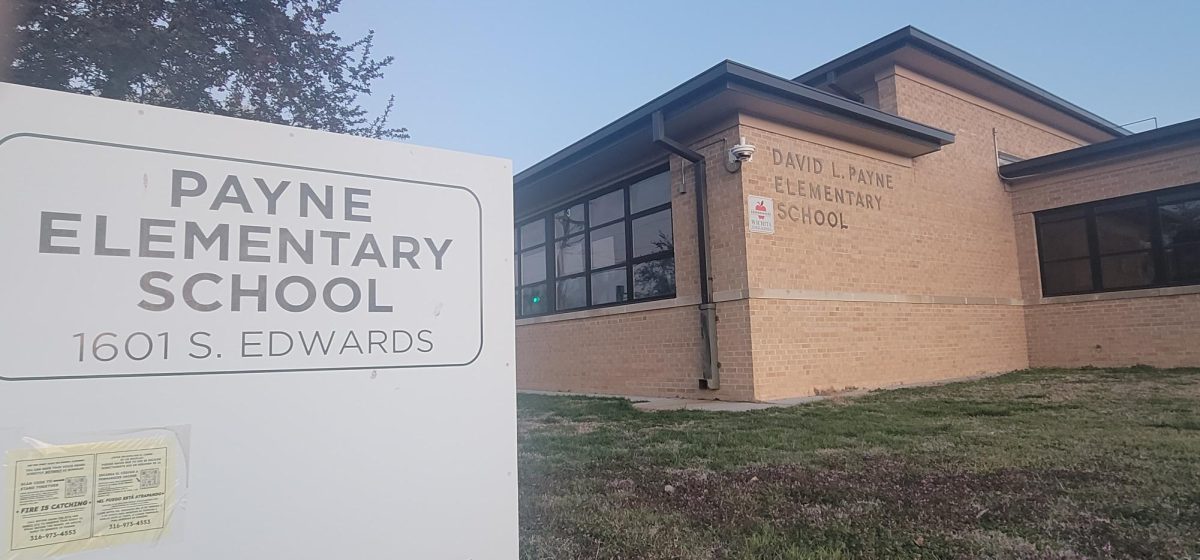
1088	463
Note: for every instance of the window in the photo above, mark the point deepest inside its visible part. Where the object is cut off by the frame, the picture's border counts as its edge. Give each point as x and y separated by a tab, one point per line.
531	268
1179	217
610	248
1142	241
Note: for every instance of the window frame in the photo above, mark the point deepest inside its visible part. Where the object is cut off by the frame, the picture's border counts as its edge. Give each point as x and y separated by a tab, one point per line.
1151	205
547	248
628	263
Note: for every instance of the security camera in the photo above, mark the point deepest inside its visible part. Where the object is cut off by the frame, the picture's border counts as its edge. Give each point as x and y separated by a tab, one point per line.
741	152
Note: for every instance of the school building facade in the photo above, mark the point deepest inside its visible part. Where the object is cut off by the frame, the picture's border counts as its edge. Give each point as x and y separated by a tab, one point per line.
909	213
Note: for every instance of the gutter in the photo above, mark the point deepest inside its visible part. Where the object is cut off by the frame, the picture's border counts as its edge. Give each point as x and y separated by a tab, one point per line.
711	376
1178	133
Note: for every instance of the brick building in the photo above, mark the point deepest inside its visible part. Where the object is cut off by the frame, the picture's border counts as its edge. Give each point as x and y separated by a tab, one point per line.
910	213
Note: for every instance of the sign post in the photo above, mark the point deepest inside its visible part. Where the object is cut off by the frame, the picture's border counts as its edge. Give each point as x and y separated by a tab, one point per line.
229	339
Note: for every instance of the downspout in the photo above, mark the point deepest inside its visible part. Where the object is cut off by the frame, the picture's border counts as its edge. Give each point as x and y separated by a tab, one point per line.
711	377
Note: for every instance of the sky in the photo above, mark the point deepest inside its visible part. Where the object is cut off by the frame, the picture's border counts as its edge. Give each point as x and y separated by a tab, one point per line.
523	79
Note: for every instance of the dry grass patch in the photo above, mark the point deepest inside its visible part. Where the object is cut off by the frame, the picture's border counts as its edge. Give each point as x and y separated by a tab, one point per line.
1091	463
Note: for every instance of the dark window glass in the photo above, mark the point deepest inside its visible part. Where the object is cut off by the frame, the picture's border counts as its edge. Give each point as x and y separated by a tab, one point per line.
1124	227
1180	219
1180	222
572	293
606	208
533	234
569	221
533	266
1138	241
533	300
652	234
568	256
1123	241
1130	270
1183	263
1066	277
651	192
609	286
1064	240
608	245
654	278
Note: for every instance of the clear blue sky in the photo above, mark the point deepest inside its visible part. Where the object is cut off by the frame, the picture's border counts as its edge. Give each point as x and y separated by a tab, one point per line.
522	79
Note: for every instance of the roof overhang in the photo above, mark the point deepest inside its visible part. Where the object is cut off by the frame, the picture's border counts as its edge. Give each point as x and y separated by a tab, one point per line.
725	89
923	53
1187	132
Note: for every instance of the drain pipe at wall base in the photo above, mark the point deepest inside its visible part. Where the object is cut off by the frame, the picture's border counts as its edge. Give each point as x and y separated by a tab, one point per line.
711	376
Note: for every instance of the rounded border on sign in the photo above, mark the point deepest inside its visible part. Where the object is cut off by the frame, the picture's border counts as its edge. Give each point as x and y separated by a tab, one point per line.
478	205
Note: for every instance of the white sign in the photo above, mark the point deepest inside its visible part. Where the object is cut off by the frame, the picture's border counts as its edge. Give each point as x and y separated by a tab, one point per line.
324	269
762	214
331	317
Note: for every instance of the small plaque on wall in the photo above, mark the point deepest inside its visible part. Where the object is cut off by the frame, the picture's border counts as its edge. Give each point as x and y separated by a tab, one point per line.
762	214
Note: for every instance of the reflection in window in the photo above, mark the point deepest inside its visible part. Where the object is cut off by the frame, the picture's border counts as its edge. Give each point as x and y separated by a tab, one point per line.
532	234
1130	270
654	278
568	221
613	247
650	192
568	256
1181	239
533	300
610	286
1064	240
608	246
572	293
1067	277
652	234
608	207
1122	227
533	266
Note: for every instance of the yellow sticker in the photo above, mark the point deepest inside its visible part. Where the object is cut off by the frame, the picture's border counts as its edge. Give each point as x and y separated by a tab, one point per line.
71	498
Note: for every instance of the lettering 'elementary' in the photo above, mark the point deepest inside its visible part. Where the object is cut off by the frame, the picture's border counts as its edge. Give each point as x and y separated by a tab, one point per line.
818	166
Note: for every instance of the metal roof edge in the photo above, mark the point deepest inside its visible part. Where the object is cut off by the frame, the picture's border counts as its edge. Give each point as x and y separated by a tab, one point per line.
1093	153
841	105
911	36
721	74
629	120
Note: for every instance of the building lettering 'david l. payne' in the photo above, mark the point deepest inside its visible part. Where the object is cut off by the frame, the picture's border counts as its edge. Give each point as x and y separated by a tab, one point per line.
904	213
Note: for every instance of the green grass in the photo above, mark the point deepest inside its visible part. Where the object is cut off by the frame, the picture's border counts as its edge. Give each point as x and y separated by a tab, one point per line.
1064	464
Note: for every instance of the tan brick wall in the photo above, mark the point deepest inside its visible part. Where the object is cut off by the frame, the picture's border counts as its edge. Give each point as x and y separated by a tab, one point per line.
1155	327
924	285
1160	169
1162	331
643	353
806	346
964	175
